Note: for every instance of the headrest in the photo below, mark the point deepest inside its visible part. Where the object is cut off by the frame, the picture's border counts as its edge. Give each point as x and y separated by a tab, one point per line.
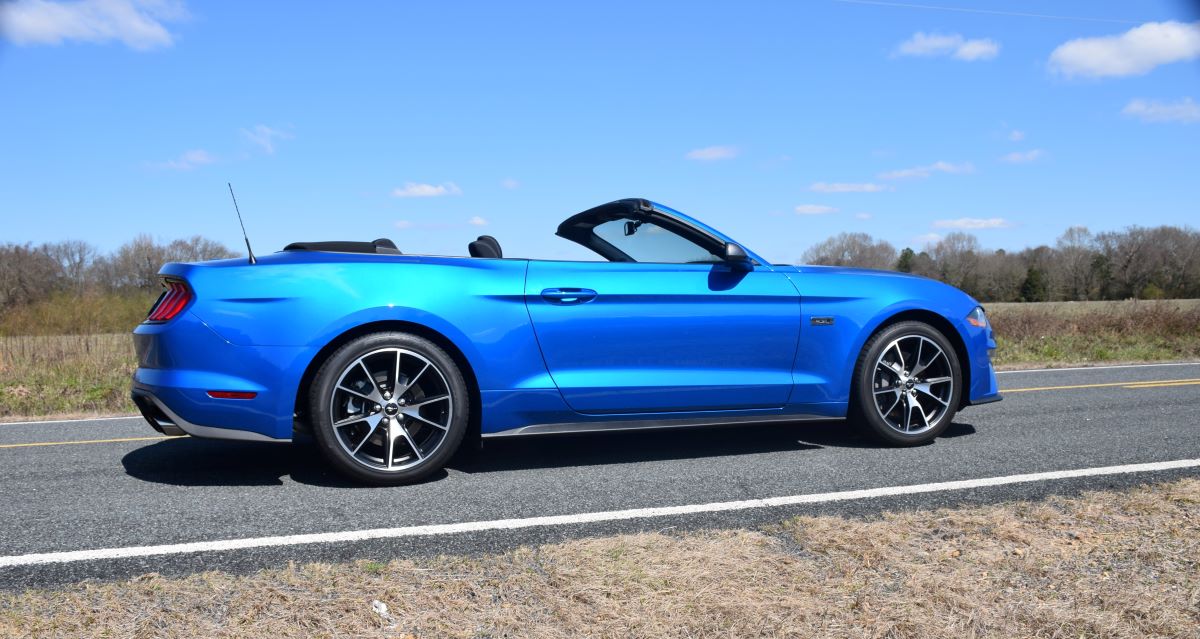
483	248
493	242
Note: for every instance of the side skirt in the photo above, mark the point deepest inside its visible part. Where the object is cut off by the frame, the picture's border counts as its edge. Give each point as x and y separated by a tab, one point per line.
653	424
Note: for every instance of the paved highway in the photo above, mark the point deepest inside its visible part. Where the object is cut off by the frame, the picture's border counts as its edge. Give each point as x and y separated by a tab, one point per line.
109	498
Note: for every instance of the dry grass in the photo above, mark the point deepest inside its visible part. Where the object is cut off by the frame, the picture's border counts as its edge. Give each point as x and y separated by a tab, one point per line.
1107	564
1054	333
56	374
68	313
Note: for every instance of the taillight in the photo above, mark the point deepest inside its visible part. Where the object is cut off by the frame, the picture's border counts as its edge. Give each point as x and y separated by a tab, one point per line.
171	302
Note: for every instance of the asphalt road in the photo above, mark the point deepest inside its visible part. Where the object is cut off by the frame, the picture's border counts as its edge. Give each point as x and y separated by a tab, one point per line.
101	485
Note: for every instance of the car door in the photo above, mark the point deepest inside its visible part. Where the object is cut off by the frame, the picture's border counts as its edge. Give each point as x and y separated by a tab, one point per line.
632	337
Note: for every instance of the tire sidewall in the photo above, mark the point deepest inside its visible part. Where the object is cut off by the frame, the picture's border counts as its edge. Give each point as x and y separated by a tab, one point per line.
320	396
864	409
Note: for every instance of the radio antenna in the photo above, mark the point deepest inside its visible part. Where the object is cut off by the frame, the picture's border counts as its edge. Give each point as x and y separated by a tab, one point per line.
249	251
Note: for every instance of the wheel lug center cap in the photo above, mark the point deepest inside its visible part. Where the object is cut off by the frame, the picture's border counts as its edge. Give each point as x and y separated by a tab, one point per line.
391	409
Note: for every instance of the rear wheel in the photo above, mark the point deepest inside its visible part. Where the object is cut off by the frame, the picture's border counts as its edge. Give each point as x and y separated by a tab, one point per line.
389	408
907	384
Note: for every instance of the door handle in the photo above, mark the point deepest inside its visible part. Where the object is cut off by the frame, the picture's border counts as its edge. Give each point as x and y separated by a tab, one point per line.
565	296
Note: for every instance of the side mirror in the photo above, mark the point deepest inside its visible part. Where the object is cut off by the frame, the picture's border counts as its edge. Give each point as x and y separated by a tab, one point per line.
736	255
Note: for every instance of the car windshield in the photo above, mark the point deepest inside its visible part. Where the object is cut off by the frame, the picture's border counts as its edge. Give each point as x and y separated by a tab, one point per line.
649	242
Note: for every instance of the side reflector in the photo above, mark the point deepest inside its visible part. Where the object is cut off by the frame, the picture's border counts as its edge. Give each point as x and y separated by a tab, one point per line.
231	395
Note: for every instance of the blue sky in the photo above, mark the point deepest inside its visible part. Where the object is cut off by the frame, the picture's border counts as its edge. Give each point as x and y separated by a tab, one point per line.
781	123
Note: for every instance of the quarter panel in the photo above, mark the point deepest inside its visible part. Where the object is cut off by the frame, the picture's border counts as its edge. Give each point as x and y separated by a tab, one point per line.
309	299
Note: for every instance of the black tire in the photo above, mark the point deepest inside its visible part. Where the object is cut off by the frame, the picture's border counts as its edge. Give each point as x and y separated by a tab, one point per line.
868	414
334	443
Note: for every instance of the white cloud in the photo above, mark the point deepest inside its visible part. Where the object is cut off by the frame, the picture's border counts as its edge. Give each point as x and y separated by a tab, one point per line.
477	221
1022	157
936	44
416	189
814	209
265	137
510	184
973	223
1184	110
189	160
1016	136
973	50
927	239
403	224
1134	52
711	153
927	170
848	187
862	216
138	24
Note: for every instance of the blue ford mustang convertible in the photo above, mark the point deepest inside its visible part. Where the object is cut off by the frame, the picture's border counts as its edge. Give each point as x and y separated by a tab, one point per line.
390	360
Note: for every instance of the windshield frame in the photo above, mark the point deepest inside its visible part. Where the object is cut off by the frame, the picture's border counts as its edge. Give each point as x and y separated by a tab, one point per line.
579	228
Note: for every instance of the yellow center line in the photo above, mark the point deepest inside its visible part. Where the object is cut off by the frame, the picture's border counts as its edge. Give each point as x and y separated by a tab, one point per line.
1146	384
89	441
1162	384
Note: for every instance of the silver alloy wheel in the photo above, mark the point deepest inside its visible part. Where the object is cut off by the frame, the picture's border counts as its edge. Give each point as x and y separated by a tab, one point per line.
391	409
912	375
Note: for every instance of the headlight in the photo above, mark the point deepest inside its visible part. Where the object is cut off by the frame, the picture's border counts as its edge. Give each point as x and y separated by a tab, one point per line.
977	318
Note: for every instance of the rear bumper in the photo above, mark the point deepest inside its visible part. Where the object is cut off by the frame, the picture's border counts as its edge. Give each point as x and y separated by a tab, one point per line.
167	422
180	361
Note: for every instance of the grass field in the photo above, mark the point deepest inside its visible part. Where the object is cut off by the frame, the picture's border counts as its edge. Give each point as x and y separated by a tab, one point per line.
70	314
49	374
1060	333
53	374
1105	564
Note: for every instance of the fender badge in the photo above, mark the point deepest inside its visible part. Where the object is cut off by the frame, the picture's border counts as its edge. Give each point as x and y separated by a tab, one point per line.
822	321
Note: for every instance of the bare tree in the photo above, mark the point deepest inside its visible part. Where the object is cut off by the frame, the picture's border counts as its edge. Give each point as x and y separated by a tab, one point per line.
1076	261
1128	255
1000	276
27	274
197	249
75	259
956	257
852	249
1174	256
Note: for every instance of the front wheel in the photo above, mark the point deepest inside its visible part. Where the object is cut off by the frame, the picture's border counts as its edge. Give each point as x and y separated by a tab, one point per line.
389	408
907	384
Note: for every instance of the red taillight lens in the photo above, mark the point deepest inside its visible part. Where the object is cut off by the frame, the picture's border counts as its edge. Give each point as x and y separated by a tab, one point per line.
171	303
232	394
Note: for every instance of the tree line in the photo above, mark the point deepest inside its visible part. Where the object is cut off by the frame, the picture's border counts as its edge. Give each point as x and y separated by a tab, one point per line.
1138	262
32	273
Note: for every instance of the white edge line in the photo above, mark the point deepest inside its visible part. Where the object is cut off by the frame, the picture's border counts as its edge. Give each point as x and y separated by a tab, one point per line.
1096	368
581	518
70	421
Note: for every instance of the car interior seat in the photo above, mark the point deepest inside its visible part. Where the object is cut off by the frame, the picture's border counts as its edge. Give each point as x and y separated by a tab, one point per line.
485	246
384	245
